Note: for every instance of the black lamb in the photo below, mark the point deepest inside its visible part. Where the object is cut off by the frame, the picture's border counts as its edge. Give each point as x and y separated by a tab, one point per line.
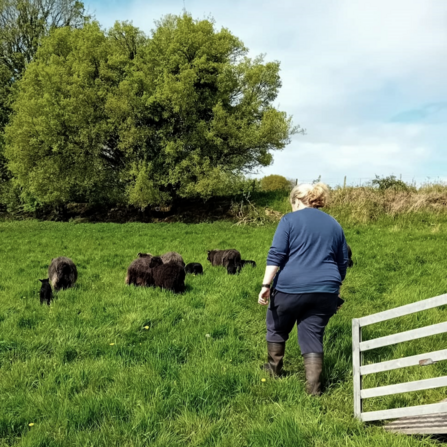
194	268
234	267
245	262
46	294
350	262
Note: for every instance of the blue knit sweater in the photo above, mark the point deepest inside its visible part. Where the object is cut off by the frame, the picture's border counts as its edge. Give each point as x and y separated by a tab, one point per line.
310	248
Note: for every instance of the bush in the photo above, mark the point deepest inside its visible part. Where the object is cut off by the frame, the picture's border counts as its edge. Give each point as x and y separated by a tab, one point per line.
390	182
275	183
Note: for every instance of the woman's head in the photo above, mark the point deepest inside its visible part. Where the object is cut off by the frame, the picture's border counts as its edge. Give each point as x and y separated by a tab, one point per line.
307	195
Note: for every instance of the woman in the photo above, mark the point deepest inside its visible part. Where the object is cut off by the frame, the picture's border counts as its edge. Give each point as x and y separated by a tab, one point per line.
309	249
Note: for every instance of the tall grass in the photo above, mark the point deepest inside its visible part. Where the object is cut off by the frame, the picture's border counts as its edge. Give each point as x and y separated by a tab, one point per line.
364	204
86	371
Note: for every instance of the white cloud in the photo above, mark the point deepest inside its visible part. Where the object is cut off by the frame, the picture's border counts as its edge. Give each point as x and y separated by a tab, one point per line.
348	67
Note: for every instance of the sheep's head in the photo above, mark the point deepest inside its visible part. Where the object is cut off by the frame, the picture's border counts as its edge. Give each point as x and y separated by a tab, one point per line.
44	281
232	269
210	256
350	262
144	255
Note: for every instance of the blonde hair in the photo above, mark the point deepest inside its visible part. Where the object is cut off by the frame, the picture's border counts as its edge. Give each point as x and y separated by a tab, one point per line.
314	196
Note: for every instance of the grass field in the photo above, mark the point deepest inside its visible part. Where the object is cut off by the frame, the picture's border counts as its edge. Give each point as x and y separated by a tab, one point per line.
86	372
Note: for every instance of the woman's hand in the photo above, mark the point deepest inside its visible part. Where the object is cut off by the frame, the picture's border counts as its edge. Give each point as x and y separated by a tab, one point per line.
264	296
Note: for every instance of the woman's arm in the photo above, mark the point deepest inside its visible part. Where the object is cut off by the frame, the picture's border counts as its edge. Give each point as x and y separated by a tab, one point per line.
270	272
264	295
342	258
276	258
279	251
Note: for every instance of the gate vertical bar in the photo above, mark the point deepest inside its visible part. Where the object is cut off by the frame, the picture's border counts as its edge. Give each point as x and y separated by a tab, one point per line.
356	364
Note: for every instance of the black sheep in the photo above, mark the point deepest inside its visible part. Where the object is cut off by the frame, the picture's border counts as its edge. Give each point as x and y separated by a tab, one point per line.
194	268
169	276
62	273
244	263
234	267
46	294
350	262
139	272
172	256
224	257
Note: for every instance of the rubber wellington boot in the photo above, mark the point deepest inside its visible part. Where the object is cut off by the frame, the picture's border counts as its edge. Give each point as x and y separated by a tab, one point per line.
313	366
275	358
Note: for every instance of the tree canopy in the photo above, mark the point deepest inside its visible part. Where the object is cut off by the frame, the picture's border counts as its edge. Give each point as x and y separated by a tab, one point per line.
23	24
118	115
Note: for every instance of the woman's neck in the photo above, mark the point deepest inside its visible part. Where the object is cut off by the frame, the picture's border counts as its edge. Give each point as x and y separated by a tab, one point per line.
298	206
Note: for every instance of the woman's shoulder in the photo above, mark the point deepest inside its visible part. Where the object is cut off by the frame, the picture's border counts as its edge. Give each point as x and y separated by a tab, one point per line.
309	214
333	220
320	214
285	219
287	216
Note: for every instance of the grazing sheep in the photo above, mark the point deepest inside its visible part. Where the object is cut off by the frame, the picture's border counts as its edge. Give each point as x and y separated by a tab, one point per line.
139	272
194	268
234	267
224	257
144	255
169	276
46	294
350	262
62	273
244	263
340	302
172	256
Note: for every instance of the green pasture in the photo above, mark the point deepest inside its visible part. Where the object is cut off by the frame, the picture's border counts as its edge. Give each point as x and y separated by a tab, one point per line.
86	371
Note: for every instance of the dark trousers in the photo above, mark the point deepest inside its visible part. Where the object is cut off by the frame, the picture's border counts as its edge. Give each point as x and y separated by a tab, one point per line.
310	311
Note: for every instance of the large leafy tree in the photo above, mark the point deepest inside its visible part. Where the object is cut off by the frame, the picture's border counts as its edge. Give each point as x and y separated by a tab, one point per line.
23	24
147	119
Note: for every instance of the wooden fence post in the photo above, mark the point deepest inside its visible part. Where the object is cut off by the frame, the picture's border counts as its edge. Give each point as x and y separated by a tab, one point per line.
356	364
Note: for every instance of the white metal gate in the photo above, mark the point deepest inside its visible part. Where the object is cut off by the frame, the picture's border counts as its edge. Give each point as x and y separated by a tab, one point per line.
360	370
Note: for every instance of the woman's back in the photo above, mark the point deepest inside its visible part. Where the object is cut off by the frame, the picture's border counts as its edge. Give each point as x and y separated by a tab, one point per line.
310	248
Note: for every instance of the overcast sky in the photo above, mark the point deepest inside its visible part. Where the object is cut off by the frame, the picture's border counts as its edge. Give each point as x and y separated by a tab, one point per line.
366	79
